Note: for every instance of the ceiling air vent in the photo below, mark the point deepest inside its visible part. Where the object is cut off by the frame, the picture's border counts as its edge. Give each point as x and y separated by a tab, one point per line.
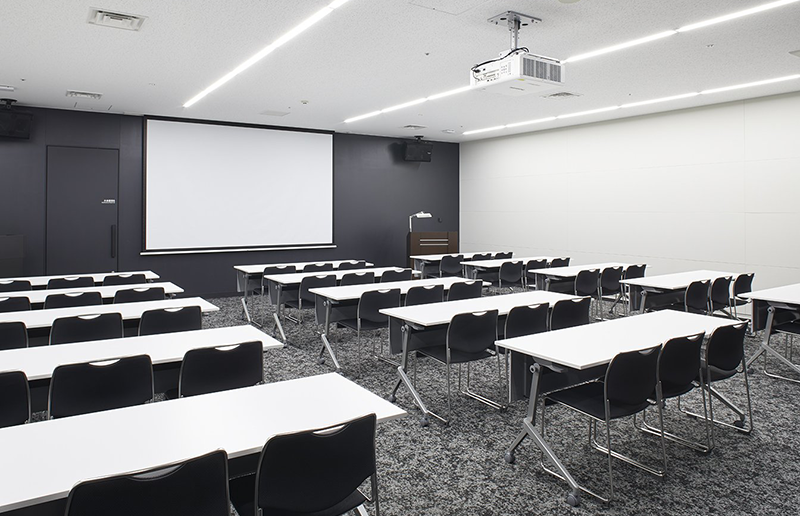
561	95
413	127
115	20
84	94
270	112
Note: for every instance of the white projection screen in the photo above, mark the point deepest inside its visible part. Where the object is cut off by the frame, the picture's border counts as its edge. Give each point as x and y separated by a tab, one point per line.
218	187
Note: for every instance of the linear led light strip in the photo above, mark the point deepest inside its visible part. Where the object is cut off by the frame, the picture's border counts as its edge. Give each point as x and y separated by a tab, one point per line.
308	22
634	104
606	50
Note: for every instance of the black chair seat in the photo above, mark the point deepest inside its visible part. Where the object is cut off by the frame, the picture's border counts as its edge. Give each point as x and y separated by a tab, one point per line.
456	356
719	374
790	327
672	391
588	398
242	489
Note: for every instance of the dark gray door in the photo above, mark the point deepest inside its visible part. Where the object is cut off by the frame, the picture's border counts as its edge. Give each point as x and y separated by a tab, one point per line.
81	209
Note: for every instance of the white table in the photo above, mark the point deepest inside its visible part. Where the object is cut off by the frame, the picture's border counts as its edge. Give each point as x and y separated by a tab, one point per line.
664	283
543	277
37	297
427	260
435	316
98	277
583	347
327	298
42	461
129	311
473	267
779	298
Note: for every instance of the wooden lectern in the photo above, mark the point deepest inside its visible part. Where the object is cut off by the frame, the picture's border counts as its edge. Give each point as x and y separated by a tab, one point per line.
431	242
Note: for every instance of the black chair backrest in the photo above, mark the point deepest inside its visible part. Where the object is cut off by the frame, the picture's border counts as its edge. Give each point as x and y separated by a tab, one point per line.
398	275
70	300
82	328
481	256
465	290
609	280
472	332
679	363
70	282
206	370
635	271
424	294
560	262
94	386
586	282
357	278
13	335
451	265
318	267
169	320
697	295
310	282
631	377
15	285
721	291
124	279
14	304
533	265
570	312
356	264
194	487
15	399
725	348
279	269
136	295
503	256
372	302
743	284
308	472
526	320
511	272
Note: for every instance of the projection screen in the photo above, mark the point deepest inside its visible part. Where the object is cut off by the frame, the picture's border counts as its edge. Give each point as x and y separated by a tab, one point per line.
222	187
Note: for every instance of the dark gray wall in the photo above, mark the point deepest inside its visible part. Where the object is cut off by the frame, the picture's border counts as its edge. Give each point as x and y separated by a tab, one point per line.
374	193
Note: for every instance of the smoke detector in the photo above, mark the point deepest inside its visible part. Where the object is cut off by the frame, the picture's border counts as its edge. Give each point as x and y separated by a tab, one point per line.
84	95
115	20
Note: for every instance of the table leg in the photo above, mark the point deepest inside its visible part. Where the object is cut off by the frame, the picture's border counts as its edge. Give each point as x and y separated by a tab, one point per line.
279	312
325	344
405	380
766	348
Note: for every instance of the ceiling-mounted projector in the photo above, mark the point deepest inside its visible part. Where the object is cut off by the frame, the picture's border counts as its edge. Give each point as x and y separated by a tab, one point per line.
518	73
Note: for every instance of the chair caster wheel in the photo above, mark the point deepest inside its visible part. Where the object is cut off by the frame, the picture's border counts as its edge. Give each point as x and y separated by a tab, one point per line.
574	499
509	457
424	421
321	361
739	423
392	398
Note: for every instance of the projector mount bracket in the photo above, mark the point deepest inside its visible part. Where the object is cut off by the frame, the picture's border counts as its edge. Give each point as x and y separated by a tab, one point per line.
8	102
515	22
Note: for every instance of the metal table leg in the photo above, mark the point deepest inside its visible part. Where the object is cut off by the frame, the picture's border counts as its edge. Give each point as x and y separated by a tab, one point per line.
328	304
405	380
766	348
279	312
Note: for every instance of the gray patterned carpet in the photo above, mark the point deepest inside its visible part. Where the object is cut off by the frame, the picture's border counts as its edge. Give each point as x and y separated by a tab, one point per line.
459	469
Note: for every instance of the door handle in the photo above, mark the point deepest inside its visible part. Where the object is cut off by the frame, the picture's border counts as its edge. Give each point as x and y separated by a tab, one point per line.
114	241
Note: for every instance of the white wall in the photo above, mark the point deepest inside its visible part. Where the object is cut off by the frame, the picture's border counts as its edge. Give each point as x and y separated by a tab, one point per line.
716	187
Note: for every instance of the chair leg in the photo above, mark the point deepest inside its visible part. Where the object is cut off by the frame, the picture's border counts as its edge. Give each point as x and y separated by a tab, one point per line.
610	459
375	499
449	405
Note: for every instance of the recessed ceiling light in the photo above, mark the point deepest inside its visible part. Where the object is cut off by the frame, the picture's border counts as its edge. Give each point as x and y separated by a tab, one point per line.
796	53
84	94
116	20
448	131
308	22
3	87
737	14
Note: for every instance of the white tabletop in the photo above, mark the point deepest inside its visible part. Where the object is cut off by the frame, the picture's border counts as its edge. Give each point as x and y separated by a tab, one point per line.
488	264
39	362
433	314
98	277
42	461
590	345
677	281
355	291
573	270
45	318
788	294
38	296
259	268
297	277
438	257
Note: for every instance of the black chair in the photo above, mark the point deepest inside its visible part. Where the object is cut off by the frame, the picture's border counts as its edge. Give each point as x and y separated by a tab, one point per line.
610	287
396	275
70	282
630	381
72	300
533	265
368	315
511	273
450	265
526	320
15	285
695	299
719	297
357	278
741	285
318	267
570	312
193	487
13	335
559	262
587	283
311	473
94	386
137	295
355	264
504	256
14	304
305	299
470	337
15	399
679	367
481	256
424	294
170	320
271	271
632	272
206	370
465	290
124	279
83	328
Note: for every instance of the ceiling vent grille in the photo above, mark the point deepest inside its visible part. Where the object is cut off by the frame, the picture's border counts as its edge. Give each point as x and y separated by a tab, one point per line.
413	127
84	94
561	95
116	20
270	112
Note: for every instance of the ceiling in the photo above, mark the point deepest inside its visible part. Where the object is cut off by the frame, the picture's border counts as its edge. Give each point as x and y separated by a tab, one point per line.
371	54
